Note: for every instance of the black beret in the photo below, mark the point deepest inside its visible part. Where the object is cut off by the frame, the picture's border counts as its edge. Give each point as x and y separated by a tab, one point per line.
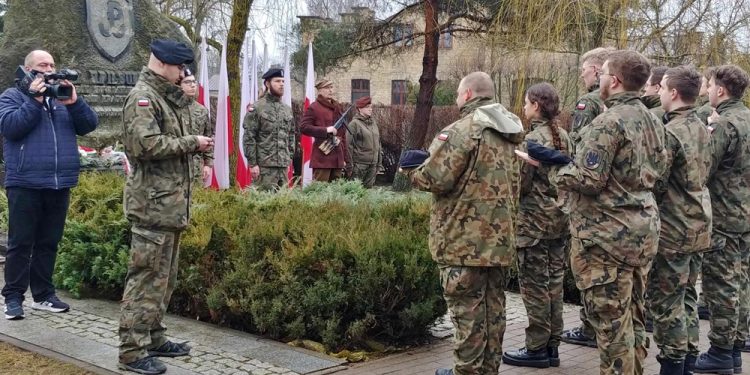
413	158
172	52
547	155
273	73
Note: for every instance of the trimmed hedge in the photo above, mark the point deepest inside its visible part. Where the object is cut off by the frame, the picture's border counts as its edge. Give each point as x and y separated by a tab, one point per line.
334	263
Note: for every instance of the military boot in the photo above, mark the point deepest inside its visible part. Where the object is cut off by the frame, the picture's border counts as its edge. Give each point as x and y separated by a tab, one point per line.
444	371
576	336
715	361
527	358
554	356
671	366
148	366
689	364
737	359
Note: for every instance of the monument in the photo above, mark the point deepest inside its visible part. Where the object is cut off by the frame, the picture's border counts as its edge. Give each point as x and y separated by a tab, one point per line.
106	41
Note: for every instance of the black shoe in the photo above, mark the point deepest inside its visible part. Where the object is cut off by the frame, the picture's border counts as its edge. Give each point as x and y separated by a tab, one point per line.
671	366
148	366
575	336
649	324
554	356
170	349
527	358
715	361
689	364
737	360
704	313
444	371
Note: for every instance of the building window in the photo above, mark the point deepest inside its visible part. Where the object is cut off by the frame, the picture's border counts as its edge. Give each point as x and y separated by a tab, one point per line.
360	88
446	39
403	35
398	92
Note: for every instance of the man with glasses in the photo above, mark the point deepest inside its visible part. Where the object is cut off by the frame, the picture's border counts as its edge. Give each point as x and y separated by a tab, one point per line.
159	144
200	124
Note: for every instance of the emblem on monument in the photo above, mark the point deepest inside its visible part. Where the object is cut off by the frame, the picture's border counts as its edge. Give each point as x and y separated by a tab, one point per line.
110	23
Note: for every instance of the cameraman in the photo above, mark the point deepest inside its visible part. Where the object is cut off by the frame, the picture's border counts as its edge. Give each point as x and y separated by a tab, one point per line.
41	165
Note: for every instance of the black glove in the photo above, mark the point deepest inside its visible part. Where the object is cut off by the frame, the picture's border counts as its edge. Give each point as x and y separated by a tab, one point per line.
413	158
547	155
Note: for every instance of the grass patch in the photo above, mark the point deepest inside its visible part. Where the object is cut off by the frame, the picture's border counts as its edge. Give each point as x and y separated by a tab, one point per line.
21	362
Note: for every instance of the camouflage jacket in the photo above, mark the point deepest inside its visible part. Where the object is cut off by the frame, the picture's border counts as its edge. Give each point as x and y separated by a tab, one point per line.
616	166
364	141
704	108
269	139
156	135
539	216
201	125
653	103
587	108
730	167
682	195
474	177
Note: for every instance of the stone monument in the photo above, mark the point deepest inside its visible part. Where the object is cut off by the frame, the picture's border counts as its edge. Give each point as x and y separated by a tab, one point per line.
106	41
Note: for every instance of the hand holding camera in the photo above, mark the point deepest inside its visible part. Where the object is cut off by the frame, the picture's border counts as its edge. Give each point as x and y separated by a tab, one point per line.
53	85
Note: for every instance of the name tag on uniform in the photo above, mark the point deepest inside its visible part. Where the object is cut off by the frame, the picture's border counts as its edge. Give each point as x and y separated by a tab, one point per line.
143	102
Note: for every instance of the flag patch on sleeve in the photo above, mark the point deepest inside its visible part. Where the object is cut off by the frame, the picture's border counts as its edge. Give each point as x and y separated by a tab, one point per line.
581	106
143	102
443	137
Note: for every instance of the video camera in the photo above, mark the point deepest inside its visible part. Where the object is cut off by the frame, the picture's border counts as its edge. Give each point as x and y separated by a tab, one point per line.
54	89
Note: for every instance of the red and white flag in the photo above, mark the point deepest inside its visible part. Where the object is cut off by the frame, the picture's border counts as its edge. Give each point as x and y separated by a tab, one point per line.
307	141
203	89
223	138
248	96
287	99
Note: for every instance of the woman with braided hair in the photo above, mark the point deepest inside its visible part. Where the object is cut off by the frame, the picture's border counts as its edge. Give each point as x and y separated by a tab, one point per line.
542	237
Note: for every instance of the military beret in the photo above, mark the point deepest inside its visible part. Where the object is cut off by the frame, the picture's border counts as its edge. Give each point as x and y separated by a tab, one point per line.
172	52
273	73
547	155
323	83
363	102
413	158
187	72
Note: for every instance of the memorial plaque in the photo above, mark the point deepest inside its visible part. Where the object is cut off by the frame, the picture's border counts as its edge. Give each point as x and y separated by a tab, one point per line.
110	23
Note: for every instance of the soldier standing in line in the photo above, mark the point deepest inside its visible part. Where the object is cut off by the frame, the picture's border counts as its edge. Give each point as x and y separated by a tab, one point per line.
703	107
202	163
615	224
367	156
650	97
474	179
542	238
269	139
685	213
724	284
158	143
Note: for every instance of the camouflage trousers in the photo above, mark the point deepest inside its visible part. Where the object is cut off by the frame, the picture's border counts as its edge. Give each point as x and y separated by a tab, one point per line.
673	304
541	269
476	299
151	279
613	296
365	173
271	178
722	266
744	301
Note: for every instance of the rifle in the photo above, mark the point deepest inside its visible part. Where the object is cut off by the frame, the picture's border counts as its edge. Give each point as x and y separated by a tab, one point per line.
333	141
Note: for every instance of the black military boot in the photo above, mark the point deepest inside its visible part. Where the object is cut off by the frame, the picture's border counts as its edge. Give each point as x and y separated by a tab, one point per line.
689	364
554	356
671	366
444	371
737	359
527	358
148	366
715	361
170	349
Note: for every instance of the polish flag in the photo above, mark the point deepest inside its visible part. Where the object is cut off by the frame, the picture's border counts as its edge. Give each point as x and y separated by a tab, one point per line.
307	141
203	89
223	137
287	99
248	96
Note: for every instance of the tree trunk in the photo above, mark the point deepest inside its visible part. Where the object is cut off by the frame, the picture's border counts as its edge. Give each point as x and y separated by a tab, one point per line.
235	41
415	138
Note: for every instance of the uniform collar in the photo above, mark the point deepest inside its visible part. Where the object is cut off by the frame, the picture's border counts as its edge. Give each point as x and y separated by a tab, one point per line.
651	101
475	103
727	104
678	113
539	123
164	88
621	98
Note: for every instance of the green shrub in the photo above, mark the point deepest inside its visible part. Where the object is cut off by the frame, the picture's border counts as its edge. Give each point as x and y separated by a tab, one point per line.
335	263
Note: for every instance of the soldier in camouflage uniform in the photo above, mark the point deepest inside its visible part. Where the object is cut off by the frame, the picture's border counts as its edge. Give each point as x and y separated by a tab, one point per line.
615	222
650	96
201	163
703	107
159	145
730	200
367	155
269	139
542	238
685	213
588	107
474	179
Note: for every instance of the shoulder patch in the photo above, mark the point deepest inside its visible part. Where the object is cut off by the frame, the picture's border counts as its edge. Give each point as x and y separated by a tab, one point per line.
144	102
592	159
581	106
443	137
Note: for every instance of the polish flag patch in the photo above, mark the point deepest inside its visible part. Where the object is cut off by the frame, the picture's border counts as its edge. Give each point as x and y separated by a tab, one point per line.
143	102
443	137
581	106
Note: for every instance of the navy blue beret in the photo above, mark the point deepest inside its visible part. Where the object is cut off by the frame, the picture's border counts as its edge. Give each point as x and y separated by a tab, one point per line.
273	73
413	158
547	155
172	52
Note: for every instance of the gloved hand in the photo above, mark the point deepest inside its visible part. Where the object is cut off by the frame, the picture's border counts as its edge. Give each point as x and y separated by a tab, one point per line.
413	158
